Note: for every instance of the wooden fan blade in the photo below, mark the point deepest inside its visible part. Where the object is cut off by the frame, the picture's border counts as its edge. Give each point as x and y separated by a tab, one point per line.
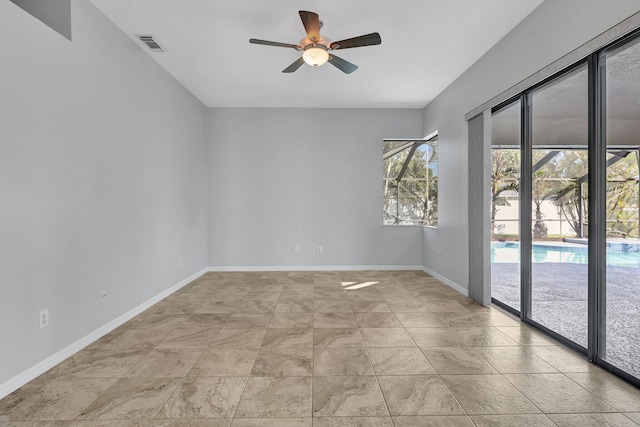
344	66
311	22
293	67
366	40
277	44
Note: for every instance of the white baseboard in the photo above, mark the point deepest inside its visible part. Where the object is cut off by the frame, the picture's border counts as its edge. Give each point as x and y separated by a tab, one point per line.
446	281
51	361
314	268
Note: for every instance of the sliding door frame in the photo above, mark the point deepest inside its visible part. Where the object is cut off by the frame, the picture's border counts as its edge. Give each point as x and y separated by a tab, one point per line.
597	207
526	189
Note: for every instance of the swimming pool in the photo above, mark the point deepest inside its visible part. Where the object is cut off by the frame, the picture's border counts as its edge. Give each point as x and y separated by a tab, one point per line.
509	252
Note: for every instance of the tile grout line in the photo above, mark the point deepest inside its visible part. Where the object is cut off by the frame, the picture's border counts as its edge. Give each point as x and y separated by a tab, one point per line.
439	376
244	389
384	397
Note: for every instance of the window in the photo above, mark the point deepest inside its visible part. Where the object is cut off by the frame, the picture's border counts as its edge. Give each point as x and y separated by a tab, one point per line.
410	182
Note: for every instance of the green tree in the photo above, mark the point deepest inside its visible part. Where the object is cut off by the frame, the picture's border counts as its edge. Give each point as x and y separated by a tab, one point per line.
622	197
505	170
559	180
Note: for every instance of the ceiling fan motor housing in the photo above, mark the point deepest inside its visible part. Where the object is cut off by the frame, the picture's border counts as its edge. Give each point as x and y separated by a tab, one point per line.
315	54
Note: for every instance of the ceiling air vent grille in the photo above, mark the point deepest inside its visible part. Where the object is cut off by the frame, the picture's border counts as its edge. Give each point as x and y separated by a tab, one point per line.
151	43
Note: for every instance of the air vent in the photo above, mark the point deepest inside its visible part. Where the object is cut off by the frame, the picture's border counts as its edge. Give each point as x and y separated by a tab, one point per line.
151	43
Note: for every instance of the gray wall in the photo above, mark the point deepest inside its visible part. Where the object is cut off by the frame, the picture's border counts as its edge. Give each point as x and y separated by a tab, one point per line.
102	181
554	29
306	177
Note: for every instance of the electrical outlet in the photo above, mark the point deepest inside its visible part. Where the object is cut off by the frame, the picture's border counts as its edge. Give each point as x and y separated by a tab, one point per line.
296	249
179	262
319	249
43	318
103	296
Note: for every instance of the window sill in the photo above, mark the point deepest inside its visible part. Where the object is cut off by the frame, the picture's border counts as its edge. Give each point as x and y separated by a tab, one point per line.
405	225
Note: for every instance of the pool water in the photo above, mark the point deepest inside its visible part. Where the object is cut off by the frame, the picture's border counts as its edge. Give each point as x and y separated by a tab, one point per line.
509	252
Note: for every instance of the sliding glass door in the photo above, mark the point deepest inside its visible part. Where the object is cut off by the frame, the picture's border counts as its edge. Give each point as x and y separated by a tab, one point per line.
505	206
559	179
620	343
565	213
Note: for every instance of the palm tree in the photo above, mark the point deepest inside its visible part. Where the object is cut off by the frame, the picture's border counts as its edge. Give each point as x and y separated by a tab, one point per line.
505	170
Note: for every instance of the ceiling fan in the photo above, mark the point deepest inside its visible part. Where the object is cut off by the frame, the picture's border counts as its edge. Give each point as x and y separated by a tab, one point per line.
316	48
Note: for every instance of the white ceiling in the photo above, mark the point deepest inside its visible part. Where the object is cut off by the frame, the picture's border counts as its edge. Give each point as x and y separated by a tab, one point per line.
426	45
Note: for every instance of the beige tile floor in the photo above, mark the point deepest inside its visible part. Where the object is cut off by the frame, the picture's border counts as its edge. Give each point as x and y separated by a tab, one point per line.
300	349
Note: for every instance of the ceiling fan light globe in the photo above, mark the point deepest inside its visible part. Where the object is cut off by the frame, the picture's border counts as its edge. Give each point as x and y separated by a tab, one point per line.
315	56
